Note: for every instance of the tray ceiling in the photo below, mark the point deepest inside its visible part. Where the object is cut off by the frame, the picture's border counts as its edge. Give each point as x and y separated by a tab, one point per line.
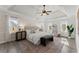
58	11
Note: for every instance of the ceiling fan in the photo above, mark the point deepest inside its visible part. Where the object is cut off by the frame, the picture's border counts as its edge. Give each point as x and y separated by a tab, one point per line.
44	11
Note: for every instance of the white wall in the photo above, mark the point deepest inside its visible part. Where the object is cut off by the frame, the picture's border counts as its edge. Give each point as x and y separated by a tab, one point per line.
77	28
5	35
3	27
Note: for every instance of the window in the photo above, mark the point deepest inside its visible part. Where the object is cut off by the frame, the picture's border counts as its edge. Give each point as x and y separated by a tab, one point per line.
64	26
13	24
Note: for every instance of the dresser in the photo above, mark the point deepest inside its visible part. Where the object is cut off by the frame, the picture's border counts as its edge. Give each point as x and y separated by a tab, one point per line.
21	35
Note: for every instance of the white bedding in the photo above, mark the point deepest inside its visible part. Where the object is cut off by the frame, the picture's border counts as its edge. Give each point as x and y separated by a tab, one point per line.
35	37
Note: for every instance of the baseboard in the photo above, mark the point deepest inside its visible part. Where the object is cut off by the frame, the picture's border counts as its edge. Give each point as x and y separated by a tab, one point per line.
6	41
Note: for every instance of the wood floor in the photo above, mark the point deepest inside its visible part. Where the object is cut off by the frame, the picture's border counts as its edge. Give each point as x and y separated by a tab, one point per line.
57	46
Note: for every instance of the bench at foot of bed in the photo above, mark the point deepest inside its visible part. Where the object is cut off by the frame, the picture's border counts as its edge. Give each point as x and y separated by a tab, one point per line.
45	39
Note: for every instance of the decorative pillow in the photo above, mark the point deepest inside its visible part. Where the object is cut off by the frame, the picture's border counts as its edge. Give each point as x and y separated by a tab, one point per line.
32	31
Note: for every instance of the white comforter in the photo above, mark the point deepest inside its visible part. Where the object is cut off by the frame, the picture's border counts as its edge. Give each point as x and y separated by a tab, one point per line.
35	37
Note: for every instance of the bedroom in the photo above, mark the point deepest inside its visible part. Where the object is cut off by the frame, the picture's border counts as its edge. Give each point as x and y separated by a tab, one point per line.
37	23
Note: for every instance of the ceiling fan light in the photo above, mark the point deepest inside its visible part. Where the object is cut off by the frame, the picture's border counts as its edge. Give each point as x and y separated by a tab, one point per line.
44	11
44	14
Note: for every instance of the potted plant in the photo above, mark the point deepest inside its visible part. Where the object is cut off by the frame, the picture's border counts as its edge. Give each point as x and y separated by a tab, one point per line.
70	29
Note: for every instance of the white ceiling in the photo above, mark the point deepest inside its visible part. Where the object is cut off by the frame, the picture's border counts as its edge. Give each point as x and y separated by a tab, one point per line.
5	6
70	9
58	11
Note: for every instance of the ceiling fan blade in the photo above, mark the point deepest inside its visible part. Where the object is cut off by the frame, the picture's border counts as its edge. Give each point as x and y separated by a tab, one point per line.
49	11
55	12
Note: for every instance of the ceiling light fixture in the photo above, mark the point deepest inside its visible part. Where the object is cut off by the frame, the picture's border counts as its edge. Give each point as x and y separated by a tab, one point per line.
44	11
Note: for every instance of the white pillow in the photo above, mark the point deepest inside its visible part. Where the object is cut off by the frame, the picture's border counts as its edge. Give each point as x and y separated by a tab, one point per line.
28	31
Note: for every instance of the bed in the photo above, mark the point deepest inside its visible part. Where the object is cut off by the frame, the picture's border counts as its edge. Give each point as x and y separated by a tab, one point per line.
34	37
